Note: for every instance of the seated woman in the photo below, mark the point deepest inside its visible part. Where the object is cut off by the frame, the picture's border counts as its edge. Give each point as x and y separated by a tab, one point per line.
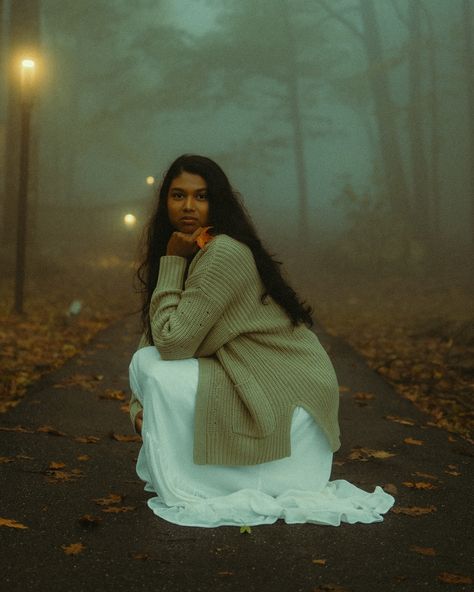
234	396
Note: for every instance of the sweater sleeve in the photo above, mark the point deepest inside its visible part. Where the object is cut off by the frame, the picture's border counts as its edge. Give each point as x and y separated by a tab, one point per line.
181	317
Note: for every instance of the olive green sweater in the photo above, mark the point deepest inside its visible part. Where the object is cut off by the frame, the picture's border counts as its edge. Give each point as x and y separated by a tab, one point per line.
254	366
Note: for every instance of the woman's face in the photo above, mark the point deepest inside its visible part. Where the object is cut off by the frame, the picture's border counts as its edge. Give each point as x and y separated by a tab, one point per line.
188	204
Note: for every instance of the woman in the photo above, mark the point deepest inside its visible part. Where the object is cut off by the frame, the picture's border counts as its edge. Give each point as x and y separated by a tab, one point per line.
234	396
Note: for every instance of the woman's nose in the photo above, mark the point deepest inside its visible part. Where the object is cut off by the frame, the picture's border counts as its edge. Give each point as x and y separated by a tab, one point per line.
189	203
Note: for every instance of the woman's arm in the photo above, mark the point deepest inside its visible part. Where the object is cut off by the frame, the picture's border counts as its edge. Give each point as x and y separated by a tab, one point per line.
181	318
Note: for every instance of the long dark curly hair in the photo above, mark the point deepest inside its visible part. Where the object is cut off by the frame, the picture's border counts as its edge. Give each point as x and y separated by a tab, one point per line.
227	215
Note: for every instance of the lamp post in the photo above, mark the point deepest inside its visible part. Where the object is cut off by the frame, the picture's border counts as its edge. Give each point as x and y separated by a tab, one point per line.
27	82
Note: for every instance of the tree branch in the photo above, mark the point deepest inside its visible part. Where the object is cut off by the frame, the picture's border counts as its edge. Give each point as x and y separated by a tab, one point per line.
335	14
399	13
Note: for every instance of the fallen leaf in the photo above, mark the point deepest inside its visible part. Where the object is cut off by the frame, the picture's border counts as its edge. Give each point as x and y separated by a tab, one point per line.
413	441
6	459
84	381
453	473
344	389
116	395
428	551
204	237
126	437
364	454
330	588
118	509
319	561
363	396
246	529
225	573
413	510
56	465
125	408
50	430
83	457
87	439
11	523
73	548
402	420
451	578
88	520
419	485
140	556
112	498
390	488
54	475
425	475
18	428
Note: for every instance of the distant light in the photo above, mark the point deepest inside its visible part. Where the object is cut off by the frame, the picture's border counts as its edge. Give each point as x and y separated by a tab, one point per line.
28	64
150	180
130	220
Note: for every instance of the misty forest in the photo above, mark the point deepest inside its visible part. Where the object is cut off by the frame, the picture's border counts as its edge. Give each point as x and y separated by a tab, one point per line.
347	127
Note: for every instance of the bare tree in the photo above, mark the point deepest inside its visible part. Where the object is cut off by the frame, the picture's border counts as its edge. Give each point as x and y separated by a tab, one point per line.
370	37
469	61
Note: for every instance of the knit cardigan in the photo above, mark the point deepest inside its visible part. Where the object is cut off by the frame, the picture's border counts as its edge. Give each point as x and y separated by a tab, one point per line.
255	367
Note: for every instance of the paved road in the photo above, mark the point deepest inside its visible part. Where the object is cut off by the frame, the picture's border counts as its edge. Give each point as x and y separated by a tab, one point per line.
134	550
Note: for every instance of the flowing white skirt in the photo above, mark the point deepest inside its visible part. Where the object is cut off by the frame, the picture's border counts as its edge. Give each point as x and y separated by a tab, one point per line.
296	489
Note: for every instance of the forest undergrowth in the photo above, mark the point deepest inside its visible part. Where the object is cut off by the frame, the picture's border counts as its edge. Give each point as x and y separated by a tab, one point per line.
417	333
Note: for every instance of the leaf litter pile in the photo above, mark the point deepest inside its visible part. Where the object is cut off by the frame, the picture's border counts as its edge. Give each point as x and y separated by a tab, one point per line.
417	333
63	312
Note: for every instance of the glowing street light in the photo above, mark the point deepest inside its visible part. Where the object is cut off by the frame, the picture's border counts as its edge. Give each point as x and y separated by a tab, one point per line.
27	87
130	220
150	180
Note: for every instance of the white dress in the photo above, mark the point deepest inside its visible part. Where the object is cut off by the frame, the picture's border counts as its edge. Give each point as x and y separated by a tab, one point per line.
296	489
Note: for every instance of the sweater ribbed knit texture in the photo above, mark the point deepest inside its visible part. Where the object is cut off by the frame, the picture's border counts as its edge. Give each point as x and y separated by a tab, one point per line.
255	367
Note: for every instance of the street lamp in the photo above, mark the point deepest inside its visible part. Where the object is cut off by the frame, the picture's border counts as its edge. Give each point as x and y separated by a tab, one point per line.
130	220
150	180
27	83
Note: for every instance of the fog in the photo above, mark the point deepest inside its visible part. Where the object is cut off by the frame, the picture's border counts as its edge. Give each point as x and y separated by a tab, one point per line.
351	140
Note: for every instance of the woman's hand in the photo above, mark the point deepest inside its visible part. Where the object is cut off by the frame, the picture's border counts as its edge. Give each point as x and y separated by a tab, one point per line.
182	244
139	422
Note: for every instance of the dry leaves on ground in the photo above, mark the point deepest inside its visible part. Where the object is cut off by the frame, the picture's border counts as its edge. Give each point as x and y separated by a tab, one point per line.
413	510
364	454
11	523
427	551
112	498
451	578
125	437
419	485
45	337
413	441
73	548
418	334
89	521
319	561
113	394
88	382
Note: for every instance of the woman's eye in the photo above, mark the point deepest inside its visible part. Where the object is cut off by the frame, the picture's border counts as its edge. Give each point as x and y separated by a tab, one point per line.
177	195
202	196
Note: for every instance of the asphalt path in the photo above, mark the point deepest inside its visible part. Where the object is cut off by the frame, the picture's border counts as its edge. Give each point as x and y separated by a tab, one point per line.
59	456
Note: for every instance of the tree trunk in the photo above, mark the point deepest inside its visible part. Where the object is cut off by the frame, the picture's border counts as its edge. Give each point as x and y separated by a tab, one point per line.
469	61
420	179
298	134
433	107
23	40
396	184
